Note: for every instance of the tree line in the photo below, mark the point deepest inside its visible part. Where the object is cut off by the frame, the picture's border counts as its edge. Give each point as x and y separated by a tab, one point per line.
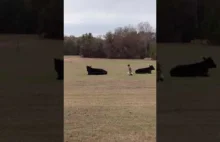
127	42
185	20
32	17
177	20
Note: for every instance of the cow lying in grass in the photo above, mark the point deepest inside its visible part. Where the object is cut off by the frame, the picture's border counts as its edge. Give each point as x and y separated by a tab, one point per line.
95	71
58	66
145	70
160	76
193	70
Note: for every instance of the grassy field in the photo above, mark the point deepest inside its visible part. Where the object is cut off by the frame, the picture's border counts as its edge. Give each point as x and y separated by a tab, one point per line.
25	62
188	108
112	108
31	98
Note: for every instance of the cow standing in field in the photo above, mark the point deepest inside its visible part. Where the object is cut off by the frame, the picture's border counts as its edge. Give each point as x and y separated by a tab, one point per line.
194	70
58	66
160	76
129	70
147	70
95	71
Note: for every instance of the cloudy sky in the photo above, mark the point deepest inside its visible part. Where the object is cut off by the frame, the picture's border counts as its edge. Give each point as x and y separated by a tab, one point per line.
101	16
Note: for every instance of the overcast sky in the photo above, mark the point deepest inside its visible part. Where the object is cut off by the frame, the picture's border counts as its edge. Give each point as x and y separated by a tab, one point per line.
101	16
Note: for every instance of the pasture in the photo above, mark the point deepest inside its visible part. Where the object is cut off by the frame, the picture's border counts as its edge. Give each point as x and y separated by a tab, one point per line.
188	108
31	98
110	108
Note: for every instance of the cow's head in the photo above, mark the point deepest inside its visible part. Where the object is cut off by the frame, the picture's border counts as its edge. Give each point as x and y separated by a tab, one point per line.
151	67
88	68
209	63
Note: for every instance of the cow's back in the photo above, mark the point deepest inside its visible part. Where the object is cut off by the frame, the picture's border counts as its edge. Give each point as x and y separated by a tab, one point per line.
96	71
189	70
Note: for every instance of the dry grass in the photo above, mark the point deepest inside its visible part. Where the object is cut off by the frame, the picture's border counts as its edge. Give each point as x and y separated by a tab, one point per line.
112	108
30	96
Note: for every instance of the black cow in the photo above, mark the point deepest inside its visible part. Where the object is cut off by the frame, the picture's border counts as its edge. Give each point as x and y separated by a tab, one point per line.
95	71
145	70
58	66
160	76
193	70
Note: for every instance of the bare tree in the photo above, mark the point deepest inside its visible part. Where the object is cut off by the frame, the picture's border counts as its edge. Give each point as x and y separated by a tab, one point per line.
145	27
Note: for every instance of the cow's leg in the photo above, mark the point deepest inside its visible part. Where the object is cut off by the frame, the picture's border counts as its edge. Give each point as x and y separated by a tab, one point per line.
204	74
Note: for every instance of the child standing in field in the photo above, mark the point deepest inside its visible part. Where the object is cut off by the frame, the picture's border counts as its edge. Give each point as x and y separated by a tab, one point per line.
129	70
